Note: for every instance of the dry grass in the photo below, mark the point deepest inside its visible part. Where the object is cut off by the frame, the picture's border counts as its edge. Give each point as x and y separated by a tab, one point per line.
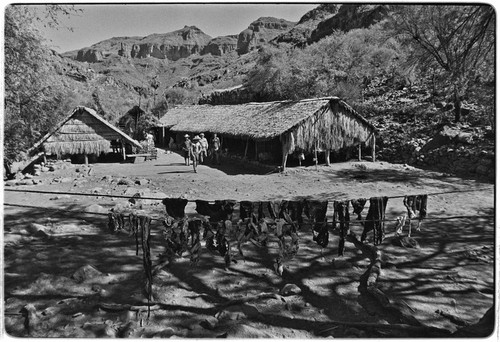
77	147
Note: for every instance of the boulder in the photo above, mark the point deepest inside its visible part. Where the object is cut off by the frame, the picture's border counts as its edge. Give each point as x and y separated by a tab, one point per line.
96	208
142	181
210	323
89	55
290	289
86	272
245	331
126	181
35	228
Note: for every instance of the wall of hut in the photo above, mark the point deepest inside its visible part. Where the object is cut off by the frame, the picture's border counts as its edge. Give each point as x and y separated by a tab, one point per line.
331	129
81	134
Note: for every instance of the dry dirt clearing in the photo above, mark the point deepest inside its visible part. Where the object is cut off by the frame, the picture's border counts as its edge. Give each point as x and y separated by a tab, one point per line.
79	280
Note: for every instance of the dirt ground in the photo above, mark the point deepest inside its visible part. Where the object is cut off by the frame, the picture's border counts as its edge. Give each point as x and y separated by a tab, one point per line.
445	283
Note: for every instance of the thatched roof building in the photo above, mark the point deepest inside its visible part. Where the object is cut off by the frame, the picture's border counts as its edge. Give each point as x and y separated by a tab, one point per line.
82	132
326	124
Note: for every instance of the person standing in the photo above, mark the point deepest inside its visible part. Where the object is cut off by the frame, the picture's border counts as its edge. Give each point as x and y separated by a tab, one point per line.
204	147
186	148
216	148
149	140
195	151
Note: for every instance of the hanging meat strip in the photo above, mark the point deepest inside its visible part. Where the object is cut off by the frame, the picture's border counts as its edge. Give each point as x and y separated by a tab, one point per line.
247	208
288	239
209	237
315	211
112	224
176	236
145	222
194	236
421	203
116	221
375	220
218	211
271	209
133	222
175	207
358	205
294	209
341	216
410	202
227	209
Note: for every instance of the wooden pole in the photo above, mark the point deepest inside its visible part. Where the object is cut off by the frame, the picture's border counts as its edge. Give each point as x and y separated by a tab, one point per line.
359	152
327	157
256	151
284	156
373	148
123	150
316	157
246	149
86	158
44	158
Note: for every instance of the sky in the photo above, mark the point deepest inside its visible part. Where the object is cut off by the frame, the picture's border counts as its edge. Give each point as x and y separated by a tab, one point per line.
98	22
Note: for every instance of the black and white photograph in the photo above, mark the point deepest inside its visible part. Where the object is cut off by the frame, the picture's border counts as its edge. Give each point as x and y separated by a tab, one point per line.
257	170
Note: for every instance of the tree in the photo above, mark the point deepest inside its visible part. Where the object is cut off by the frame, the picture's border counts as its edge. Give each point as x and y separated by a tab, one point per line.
338	65
33	96
458	40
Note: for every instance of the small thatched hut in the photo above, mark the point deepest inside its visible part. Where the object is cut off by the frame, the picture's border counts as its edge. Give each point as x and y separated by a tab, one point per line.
84	132
277	129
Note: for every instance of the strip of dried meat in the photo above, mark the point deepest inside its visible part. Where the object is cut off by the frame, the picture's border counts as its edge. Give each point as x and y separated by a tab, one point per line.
175	207
375	220
341	216
358	205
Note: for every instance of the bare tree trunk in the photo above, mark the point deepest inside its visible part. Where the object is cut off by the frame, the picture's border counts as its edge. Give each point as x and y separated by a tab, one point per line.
458	106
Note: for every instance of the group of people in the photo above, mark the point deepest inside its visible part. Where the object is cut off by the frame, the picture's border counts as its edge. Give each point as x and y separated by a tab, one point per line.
198	150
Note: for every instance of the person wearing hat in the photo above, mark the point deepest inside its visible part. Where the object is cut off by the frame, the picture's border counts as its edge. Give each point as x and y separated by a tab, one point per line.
204	147
195	151
186	148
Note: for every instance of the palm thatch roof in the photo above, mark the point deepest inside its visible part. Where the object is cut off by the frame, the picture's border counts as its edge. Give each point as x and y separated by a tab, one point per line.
327	122
81	132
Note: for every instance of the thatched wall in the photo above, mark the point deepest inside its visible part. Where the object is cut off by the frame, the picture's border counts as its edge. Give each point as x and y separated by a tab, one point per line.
331	128
81	134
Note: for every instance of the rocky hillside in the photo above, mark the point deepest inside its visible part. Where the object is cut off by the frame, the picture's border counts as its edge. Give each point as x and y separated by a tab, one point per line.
350	17
300	34
114	75
260	32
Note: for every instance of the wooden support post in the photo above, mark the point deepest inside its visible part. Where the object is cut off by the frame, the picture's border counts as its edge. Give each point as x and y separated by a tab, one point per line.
123	150
163	137
86	158
359	152
284	156
373	148
316	157
327	157
44	158
246	148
